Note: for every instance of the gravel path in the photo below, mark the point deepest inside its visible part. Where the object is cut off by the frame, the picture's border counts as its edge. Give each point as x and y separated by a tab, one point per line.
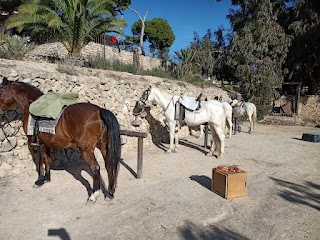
173	200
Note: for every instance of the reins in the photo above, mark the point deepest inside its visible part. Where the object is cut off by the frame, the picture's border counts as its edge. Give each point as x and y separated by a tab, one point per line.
2	125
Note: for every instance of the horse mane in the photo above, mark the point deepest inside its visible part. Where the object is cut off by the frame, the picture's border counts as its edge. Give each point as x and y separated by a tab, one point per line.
167	95
29	86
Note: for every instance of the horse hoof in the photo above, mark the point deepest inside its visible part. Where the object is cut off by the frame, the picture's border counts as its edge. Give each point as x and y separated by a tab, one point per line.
167	152
209	154
175	151
38	183
90	203
109	196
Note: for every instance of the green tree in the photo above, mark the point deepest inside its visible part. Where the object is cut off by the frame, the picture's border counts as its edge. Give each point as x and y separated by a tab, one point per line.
157	32
259	49
302	21
73	22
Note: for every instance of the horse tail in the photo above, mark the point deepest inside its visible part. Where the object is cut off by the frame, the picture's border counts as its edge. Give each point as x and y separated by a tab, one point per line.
113	143
254	116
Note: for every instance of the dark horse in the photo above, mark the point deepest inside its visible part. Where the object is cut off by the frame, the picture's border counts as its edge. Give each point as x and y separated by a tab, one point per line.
81	125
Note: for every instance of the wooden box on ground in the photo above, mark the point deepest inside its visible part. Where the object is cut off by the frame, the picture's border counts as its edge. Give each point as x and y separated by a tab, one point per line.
229	184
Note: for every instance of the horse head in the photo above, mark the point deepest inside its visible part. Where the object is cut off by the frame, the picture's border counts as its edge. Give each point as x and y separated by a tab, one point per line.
235	103
146	98
6	98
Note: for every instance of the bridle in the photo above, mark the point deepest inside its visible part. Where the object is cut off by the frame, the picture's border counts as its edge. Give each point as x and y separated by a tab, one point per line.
144	98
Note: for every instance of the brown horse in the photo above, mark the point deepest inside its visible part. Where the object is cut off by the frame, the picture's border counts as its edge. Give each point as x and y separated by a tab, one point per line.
81	125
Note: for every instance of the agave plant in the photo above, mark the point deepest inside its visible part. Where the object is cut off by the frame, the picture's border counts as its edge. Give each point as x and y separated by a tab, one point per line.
73	22
185	57
3	38
15	47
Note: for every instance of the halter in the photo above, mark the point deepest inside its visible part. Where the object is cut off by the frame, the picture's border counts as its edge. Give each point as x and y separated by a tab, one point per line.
144	97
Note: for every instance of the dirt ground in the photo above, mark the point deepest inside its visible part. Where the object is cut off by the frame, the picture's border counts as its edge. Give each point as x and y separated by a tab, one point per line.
173	200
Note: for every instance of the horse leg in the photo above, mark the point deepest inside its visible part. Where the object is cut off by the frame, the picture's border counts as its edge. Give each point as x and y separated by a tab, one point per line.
47	163
251	123
213	142
221	142
176	137
229	128
219	137
172	130
88	156
191	131
201	131
112	184
37	158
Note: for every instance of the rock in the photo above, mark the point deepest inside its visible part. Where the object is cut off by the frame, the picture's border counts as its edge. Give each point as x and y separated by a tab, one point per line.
5	166
8	145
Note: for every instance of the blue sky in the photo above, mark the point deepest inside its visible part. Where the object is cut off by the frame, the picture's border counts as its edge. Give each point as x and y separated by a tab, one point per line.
184	17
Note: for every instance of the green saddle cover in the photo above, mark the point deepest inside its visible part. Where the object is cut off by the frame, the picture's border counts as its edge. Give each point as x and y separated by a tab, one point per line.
51	104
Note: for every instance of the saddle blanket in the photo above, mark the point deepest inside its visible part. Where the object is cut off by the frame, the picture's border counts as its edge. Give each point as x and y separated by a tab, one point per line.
45	125
188	102
50	104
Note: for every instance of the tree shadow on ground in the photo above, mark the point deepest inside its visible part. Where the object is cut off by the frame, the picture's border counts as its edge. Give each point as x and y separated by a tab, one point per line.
192	231
202	180
300	194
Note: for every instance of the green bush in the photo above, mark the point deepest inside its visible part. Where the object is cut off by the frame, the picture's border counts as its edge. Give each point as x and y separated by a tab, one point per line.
122	67
159	72
14	47
69	65
99	62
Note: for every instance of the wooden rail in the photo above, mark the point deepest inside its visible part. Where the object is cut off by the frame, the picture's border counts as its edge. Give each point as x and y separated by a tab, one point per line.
140	136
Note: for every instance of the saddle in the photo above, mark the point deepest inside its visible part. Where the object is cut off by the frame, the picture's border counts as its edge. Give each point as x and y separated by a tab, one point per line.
50	104
46	111
186	102
190	103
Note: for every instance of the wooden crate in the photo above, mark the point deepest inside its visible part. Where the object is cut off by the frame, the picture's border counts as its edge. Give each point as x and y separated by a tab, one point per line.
229	184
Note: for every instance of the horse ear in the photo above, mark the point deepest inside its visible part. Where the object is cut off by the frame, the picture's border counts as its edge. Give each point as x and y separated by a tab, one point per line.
5	81
149	88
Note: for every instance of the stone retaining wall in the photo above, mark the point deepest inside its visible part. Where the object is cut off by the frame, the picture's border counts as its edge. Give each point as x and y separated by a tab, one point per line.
115	91
57	50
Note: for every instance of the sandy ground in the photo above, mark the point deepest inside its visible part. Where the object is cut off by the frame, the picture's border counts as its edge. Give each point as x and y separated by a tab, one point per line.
174	200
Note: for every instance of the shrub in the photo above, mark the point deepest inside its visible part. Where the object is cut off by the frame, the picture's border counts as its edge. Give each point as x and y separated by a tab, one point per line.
69	65
99	62
122	67
159	72
14	47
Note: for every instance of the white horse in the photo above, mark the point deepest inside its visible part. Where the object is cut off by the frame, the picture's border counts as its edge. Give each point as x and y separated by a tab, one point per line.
211	112
226	104
225	101
245	108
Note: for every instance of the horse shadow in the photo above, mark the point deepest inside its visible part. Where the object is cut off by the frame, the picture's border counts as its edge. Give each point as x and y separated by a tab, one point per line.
71	161
189	144
157	129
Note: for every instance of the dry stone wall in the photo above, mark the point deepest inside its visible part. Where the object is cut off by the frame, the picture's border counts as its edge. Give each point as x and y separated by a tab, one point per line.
57	50
309	109
115	91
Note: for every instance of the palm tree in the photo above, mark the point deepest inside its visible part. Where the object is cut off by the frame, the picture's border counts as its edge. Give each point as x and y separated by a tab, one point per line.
73	22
